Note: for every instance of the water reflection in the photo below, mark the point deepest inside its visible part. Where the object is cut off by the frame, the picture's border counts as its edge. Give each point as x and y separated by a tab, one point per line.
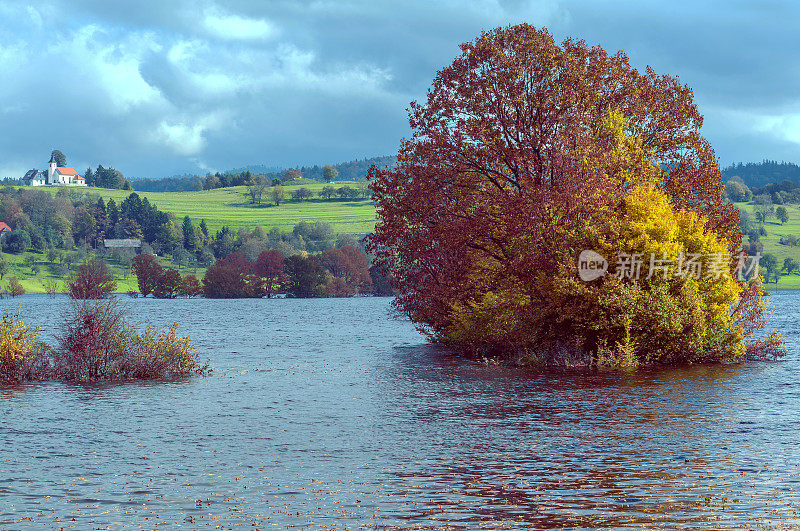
334	413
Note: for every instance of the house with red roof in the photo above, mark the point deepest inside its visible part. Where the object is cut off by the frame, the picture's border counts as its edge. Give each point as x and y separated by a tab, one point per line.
54	175
4	228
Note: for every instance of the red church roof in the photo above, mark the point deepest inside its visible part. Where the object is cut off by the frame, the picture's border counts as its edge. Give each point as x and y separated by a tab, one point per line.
4	227
66	171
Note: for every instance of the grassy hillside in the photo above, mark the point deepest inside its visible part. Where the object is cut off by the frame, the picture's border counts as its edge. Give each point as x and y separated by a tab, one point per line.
772	244
231	206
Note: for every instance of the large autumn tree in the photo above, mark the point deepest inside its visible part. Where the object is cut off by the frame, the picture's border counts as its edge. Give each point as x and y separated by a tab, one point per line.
527	152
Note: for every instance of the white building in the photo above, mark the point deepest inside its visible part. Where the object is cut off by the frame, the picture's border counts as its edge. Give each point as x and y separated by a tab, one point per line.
54	175
35	178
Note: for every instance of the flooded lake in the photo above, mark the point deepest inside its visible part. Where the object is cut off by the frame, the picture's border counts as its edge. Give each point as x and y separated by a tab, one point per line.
336	413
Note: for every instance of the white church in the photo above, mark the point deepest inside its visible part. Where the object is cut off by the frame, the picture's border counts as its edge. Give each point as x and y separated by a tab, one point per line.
54	175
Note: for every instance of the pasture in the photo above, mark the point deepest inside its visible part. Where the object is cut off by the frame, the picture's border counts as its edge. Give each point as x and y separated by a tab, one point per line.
232	207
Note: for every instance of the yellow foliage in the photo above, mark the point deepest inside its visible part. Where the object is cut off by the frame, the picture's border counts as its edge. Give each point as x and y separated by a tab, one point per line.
689	315
487	318
630	162
18	343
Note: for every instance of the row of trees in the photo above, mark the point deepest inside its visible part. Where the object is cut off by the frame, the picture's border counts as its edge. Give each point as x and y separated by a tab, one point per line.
786	192
355	170
106	178
261	181
227	179
163	283
247	178
259	188
336	272
759	174
772	270
101	177
304	237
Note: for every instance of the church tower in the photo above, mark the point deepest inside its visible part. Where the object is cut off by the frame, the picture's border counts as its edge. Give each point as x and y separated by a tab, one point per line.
51	171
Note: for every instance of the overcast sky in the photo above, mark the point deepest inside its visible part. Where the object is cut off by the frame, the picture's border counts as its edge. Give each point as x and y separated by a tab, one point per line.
161	87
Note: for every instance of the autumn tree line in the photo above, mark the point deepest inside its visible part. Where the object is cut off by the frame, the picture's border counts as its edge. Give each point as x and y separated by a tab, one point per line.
246	178
311	260
769	205
784	193
335	272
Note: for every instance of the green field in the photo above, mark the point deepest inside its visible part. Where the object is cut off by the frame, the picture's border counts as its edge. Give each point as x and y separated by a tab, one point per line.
772	244
231	207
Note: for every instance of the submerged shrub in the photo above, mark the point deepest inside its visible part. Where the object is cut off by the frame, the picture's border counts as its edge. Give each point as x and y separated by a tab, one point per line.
98	344
15	288
21	353
92	341
158	354
93	280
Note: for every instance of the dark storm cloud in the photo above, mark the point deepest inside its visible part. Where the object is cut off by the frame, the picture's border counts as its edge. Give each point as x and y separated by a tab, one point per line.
156	87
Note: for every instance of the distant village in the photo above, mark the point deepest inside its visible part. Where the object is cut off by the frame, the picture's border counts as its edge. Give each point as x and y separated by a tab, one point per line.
55	174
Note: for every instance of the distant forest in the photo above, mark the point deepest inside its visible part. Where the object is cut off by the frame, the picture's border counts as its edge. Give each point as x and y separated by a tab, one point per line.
354	170
759	174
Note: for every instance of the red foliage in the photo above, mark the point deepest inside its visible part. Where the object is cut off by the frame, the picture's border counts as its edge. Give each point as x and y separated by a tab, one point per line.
168	284
232	278
270	265
190	287
148	272
349	265
93	280
90	339
15	289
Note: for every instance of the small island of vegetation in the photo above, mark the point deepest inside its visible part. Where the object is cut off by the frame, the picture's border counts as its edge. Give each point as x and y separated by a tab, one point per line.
525	155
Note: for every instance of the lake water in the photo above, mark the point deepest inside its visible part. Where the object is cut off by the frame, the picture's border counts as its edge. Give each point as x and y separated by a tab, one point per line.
335	413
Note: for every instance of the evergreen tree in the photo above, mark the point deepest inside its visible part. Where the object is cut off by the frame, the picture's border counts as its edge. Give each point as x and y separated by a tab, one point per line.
113	212
189	238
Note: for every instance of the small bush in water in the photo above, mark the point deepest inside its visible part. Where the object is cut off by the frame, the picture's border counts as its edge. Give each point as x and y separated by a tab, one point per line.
21	353
98	344
161	354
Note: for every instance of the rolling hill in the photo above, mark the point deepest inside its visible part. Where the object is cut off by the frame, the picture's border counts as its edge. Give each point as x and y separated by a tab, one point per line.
231	207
